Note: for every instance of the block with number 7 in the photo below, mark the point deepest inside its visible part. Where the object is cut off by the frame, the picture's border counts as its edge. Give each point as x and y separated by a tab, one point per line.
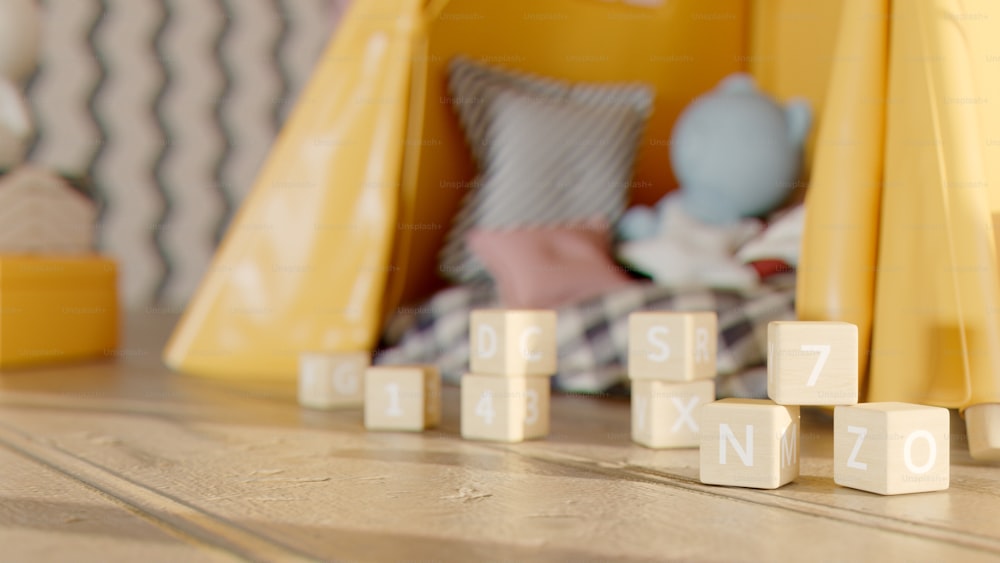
504	409
812	363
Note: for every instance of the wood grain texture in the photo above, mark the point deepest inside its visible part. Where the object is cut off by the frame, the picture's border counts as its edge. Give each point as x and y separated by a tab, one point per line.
245	472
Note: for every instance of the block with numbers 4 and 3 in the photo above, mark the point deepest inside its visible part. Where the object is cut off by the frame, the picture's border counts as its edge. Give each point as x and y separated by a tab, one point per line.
672	346
402	397
749	443
332	380
512	342
891	448
812	363
668	415
504	409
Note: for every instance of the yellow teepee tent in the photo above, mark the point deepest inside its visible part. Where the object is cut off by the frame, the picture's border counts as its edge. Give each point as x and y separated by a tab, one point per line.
905	172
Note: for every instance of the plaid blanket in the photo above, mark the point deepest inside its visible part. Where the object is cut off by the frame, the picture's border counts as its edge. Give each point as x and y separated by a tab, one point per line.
593	335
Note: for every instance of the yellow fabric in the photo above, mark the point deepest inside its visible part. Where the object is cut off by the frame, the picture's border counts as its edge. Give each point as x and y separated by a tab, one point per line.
303	266
373	156
56	309
836	274
792	46
937	315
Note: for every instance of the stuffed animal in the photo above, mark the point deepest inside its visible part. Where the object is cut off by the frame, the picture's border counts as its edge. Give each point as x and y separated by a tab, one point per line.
45	214
19	42
737	154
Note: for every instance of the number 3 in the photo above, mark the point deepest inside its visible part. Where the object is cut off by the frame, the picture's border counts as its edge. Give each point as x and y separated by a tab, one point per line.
531	414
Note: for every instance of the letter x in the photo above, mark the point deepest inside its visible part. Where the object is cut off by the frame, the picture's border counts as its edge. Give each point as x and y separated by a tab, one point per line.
685	412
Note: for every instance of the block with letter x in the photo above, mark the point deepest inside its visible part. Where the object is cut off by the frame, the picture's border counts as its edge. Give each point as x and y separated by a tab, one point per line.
667	415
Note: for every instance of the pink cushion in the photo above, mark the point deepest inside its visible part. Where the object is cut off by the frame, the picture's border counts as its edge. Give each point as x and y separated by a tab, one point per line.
548	267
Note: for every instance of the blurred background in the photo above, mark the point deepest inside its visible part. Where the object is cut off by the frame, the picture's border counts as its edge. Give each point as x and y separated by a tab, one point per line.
167	108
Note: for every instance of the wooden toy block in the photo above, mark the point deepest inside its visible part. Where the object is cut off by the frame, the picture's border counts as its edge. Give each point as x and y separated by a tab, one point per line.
891	448
667	415
812	363
332	380
512	343
504	409
982	423
402	397
672	346
749	443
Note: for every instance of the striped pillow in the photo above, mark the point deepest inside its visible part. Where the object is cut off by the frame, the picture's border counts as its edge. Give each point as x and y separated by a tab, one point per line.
550	153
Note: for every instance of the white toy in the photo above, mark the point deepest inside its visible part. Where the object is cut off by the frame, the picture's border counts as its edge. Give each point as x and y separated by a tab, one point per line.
737	155
20	29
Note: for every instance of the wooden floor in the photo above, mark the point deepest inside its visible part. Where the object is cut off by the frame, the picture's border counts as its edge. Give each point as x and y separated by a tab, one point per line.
123	460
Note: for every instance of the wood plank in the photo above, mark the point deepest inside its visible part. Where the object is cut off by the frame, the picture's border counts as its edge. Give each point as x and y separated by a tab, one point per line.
244	469
44	515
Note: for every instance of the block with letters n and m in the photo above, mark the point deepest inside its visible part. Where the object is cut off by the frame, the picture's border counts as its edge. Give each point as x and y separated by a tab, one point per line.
749	443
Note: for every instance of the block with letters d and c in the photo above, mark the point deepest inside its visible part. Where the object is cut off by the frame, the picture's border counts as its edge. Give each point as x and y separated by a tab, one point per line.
504	409
749	443
402	397
512	342
812	363
329	380
672	346
891	448
668	415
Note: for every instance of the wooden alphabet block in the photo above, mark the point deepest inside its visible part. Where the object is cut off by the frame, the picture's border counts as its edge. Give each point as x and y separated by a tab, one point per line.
504	409
402	397
891	448
332	380
667	415
982	424
512	343
749	443
812	363
672	346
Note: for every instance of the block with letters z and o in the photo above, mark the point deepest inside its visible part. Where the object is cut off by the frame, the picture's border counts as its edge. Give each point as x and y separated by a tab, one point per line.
668	415
891	448
749	443
672	346
512	342
402	397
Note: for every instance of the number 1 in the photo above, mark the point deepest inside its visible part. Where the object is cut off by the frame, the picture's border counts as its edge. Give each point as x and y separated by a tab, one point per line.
394	409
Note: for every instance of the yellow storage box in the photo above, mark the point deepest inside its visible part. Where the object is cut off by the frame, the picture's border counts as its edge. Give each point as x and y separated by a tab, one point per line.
56	309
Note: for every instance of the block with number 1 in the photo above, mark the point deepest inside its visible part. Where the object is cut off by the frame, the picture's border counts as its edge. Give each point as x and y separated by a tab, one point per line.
402	398
812	363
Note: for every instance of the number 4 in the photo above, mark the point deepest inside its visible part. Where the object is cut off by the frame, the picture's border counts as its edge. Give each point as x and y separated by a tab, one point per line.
824	353
484	408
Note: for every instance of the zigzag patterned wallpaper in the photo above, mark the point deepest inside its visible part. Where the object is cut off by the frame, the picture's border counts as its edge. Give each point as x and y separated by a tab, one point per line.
169	107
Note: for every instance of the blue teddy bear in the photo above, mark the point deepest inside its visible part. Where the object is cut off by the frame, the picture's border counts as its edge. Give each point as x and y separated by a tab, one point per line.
737	155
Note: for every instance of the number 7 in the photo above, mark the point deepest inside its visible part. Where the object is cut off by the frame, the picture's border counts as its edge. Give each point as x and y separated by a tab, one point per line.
824	353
